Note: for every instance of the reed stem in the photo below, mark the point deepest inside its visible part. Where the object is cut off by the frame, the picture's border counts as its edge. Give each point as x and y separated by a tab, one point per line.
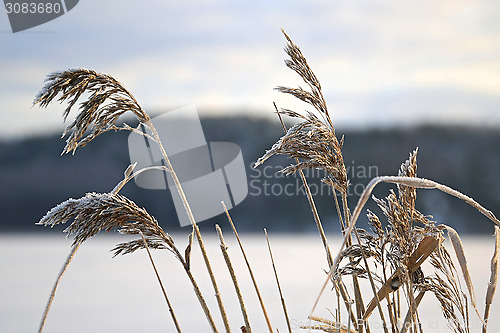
230	268
174	318
278	284
197	232
254	281
70	257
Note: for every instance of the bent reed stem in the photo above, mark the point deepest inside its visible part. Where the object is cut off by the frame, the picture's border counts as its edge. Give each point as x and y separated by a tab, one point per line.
72	254
408	181
197	232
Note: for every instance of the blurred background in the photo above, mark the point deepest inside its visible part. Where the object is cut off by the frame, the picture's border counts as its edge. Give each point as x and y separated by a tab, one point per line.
396	76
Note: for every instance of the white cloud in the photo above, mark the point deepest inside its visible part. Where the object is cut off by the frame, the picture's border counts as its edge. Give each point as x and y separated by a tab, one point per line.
228	54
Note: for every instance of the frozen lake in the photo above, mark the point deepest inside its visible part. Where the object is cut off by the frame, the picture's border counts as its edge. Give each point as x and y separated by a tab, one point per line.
102	294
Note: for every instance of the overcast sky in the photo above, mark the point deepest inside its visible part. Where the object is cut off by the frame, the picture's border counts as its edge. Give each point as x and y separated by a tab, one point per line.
381	63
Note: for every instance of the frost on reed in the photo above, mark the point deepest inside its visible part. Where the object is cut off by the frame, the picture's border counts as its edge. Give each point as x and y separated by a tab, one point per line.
387	258
97	212
313	139
107	101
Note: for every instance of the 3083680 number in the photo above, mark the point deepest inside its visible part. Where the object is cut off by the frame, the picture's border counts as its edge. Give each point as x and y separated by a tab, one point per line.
33	8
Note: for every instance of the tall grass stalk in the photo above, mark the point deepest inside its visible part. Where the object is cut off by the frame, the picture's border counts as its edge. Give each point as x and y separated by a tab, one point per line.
230	268
170	308
197	232
250	271
70	257
387	257
282	298
399	249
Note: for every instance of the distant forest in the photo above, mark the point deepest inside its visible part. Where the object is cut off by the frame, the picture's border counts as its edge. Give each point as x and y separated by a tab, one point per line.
34	177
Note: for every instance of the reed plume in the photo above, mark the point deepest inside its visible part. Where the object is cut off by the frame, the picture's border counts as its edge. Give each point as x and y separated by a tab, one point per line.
391	253
107	101
388	256
313	139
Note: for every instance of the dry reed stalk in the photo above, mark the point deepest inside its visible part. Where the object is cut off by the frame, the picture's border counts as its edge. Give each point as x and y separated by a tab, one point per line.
428	245
166	242
341	286
392	317
360	307
107	101
70	257
346	299
407	181
412	304
294	143
398	305
187	252
201	300
357	291
106	211
326	328
310	200
337	310
372	284
130	176
230	268
337	208
193	222
317	220
492	285
170	309
314	141
278	284
411	311
254	281
322	320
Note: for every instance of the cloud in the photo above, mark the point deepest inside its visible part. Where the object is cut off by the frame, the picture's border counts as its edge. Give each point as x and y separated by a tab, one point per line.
228	55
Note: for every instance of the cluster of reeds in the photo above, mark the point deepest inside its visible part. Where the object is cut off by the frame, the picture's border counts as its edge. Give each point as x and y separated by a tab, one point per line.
107	99
388	257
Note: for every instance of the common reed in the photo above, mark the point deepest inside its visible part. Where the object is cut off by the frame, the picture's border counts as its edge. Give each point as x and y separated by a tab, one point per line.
389	255
387	258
